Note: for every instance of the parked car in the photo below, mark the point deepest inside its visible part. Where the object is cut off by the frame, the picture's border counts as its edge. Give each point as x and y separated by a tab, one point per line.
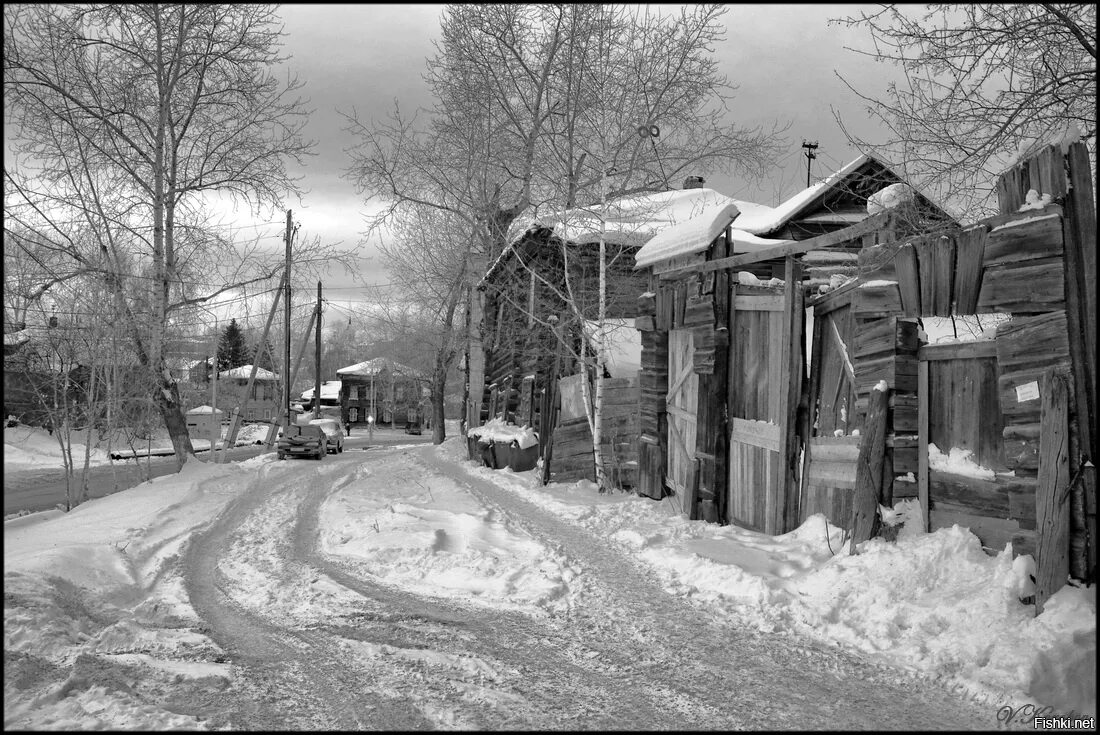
412	427
297	440
334	432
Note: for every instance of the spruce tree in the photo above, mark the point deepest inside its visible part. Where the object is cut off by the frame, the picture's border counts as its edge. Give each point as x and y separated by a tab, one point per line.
232	351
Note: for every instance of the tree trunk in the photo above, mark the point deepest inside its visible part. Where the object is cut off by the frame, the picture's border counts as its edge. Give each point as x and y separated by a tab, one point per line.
439	385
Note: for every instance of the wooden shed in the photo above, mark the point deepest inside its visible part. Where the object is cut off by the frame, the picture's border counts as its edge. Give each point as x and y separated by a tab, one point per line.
536	319
747	421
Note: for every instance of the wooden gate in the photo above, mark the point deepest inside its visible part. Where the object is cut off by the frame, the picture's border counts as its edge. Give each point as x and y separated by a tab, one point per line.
681	402
764	379
829	463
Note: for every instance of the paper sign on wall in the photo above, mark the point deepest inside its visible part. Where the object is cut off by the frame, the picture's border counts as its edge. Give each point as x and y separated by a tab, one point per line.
1027	392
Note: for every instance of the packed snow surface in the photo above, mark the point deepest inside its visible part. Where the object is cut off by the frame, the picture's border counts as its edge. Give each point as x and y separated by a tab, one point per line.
102	583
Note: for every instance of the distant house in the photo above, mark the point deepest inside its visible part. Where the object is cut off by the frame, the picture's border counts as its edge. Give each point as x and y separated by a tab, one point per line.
330	394
391	393
262	402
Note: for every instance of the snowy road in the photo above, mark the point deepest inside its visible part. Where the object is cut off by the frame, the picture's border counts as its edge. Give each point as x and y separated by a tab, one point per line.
317	641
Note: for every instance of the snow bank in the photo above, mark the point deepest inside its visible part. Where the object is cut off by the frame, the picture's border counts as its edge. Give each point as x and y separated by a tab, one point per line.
932	603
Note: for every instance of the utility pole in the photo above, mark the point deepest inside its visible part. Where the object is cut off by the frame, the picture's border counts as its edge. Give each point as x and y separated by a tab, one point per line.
317	370
810	148
286	329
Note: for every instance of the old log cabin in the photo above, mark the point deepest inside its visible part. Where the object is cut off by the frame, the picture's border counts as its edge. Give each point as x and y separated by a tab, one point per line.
541	303
755	392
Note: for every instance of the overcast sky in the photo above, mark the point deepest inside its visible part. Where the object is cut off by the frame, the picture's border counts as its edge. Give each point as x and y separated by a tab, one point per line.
782	57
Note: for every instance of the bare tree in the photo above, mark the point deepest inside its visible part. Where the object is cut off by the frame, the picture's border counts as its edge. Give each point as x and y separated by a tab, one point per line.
428	257
982	81
128	118
508	126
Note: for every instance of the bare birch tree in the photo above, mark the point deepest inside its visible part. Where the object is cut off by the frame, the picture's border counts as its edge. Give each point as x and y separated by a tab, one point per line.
982	81
505	136
128	117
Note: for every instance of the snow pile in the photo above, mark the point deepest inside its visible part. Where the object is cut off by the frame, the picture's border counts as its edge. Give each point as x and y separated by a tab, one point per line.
27	447
890	197
436	539
933	603
958	462
745	278
99	582
1033	201
499	432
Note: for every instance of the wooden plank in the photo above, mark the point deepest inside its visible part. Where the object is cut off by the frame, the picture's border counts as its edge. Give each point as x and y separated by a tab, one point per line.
755	433
993	498
1081	261
1023	289
1024	342
821	242
868	490
958	351
791	367
1052	496
759	303
1027	238
926	260
877	299
943	250
922	441
833	474
908	275
969	254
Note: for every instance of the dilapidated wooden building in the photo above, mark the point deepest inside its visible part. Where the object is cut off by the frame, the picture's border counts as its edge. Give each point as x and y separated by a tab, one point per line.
755	393
541	304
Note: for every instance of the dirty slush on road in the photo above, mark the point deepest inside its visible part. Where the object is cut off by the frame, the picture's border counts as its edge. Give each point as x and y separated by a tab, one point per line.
318	642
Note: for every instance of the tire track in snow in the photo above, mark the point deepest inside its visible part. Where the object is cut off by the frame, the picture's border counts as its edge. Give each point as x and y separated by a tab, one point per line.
695	658
285	678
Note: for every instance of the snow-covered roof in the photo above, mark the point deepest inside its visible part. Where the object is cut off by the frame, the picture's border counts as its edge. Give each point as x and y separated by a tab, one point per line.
329	389
685	238
631	220
204	409
374	367
762	220
244	371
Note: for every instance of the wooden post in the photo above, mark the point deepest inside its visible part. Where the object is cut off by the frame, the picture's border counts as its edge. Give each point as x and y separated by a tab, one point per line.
788	512
922	441
872	448
1052	494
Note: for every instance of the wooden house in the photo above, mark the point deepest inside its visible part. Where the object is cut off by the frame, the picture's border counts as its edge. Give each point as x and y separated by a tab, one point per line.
758	403
391	393
263	400
541	301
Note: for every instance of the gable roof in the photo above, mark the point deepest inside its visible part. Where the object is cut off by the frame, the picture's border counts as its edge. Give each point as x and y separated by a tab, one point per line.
375	366
755	224
242	373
